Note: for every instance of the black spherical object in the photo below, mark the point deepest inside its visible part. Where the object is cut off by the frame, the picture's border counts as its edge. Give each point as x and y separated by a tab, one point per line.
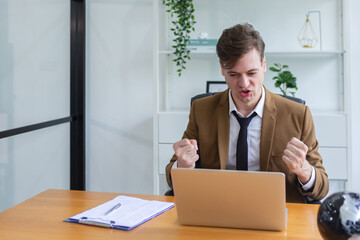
339	216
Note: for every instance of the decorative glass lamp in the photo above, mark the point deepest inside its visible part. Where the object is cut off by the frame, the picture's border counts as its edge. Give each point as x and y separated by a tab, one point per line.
307	36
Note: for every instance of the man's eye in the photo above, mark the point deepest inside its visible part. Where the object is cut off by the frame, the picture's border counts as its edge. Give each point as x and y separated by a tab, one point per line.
252	74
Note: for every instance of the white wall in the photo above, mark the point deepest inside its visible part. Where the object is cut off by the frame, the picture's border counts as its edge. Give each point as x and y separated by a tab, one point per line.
354	74
119	96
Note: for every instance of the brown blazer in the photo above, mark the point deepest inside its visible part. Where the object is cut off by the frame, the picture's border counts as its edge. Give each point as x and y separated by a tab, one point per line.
282	119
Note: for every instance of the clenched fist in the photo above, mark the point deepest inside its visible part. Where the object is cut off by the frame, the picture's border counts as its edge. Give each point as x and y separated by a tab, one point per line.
295	159
186	152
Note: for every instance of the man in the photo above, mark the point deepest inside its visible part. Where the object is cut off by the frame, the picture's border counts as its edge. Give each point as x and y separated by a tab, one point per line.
280	136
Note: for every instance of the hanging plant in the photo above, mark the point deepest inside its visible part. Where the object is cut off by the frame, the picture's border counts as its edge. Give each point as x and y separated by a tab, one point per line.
183	20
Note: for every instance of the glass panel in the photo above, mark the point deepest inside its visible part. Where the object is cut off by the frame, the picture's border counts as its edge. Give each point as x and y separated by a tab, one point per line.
33	162
34	61
119	96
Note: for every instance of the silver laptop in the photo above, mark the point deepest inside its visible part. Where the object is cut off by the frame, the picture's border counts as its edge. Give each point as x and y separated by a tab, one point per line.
234	199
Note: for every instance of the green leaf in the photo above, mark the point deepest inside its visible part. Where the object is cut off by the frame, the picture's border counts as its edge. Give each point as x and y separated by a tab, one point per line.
281	79
274	69
277	84
290	85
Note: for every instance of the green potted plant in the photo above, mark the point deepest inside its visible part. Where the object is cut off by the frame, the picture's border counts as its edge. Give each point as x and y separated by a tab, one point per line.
284	80
183	20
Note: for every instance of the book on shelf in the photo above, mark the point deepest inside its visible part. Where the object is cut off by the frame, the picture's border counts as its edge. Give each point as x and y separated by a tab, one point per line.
202	45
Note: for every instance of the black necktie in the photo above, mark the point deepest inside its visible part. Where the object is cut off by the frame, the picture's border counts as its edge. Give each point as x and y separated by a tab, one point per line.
242	147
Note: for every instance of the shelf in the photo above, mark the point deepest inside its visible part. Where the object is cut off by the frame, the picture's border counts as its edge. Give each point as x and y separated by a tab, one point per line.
309	53
202	52
324	113
314	112
180	111
274	53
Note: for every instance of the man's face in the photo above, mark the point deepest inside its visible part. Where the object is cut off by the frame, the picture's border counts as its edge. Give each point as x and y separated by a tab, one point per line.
245	80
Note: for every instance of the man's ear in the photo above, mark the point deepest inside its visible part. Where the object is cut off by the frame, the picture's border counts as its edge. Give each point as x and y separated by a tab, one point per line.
264	63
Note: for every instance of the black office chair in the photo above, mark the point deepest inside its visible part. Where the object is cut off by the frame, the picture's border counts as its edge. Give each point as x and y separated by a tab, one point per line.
202	95
298	100
169	192
309	200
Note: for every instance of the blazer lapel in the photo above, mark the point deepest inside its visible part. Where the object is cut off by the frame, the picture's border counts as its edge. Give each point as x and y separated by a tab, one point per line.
223	129
267	130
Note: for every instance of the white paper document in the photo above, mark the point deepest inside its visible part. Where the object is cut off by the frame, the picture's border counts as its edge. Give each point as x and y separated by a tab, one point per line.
122	212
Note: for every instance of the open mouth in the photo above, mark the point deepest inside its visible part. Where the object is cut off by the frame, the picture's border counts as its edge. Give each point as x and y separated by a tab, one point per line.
245	93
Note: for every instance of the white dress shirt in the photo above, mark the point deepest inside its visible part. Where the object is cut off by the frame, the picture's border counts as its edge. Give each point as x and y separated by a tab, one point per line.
253	135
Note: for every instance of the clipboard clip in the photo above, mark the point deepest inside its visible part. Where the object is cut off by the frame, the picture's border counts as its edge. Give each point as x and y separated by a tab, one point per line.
92	222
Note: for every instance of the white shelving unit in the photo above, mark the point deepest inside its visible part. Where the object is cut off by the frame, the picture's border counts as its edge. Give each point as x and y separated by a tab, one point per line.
320	74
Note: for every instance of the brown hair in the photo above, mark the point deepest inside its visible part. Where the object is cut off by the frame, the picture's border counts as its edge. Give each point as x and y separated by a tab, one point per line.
236	41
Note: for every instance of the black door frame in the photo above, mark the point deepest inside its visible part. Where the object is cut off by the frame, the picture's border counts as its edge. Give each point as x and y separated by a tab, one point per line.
77	108
77	99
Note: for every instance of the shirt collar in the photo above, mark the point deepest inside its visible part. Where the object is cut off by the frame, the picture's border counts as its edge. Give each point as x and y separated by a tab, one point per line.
259	109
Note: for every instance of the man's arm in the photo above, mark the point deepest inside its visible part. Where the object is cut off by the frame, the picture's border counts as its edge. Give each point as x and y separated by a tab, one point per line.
301	155
185	150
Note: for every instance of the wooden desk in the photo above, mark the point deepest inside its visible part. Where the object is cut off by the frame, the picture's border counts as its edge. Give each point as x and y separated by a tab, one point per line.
41	217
